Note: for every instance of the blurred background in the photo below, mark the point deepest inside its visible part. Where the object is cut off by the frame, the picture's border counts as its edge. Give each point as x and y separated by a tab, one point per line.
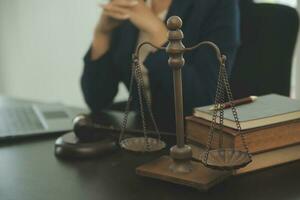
42	44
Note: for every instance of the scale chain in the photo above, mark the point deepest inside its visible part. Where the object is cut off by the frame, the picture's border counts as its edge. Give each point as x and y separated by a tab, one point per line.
221	117
222	87
139	80
233	108
215	113
148	104
136	74
127	108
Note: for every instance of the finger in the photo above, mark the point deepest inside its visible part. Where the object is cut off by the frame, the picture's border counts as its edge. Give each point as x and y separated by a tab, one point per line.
125	3
116	9
121	3
116	15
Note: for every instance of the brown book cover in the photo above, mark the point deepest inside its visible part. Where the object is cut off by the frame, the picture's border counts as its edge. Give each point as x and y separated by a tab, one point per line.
258	139
261	160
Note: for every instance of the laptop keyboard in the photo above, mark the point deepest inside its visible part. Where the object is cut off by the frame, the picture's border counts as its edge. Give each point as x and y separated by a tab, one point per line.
14	120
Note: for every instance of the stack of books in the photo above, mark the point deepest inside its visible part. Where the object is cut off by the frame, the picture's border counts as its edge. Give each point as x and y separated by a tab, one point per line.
271	125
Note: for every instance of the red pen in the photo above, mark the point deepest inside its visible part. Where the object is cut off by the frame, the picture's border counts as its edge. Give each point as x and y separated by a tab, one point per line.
236	102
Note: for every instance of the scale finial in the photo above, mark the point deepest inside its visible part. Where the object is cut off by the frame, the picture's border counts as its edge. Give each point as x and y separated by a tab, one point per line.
174	23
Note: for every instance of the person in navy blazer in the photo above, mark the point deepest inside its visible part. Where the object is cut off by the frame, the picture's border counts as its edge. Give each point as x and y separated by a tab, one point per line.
108	61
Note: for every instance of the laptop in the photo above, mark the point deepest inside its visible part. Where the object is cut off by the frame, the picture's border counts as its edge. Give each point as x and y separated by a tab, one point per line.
20	118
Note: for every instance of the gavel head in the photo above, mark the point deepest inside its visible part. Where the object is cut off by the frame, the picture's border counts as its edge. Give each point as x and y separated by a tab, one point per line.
81	126
86	130
82	120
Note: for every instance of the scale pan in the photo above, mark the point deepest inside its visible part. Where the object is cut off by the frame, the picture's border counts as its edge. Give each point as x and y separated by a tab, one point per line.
226	159
141	144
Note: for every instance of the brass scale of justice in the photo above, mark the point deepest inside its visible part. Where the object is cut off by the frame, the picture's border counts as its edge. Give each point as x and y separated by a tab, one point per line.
179	166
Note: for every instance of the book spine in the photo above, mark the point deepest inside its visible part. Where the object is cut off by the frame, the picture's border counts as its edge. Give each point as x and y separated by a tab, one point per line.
258	141
198	133
271	138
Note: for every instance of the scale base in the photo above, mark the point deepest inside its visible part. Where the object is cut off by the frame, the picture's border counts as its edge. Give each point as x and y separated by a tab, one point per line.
201	177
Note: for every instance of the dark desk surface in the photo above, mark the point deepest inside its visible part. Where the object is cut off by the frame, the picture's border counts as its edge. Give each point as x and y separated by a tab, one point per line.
30	171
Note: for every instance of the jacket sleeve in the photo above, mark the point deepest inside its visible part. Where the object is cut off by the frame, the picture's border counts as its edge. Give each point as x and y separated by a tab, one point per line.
200	72
99	81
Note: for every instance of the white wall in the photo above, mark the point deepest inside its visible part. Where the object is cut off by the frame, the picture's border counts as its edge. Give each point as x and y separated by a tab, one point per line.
42	43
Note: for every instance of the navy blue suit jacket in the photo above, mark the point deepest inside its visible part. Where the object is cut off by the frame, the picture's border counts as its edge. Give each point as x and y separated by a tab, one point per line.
213	20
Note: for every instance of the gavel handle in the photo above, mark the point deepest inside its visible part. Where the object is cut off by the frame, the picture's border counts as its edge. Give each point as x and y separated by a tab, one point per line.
88	131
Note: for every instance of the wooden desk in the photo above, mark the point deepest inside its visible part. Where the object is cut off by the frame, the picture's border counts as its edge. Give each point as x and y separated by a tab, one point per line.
30	171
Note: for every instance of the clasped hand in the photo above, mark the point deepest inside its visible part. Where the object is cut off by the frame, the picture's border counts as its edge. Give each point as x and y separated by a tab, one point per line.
138	13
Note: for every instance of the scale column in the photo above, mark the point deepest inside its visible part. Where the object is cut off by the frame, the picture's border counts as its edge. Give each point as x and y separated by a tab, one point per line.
180	153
